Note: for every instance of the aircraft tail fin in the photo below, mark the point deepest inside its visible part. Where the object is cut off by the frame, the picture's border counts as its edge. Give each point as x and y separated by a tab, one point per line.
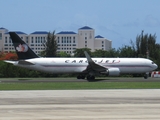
22	49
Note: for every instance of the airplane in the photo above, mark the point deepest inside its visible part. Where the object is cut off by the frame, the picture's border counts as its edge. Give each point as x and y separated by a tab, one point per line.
85	67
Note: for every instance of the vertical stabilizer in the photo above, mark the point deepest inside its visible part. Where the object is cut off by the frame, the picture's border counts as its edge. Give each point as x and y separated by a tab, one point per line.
22	49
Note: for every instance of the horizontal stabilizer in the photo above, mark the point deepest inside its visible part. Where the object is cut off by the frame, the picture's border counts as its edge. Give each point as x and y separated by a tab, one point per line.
12	62
23	62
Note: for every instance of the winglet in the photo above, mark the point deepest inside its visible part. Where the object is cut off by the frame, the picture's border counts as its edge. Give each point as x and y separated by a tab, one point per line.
88	57
93	65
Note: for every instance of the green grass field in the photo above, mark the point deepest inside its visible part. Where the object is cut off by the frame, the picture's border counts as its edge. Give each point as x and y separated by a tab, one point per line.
75	85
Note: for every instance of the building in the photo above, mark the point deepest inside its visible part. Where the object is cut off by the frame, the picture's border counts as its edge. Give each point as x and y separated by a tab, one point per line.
34	40
67	41
37	40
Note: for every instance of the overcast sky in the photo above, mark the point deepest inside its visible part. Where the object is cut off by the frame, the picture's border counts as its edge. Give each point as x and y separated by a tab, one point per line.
116	20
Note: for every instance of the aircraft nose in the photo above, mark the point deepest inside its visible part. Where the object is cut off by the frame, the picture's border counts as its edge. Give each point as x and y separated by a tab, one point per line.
155	66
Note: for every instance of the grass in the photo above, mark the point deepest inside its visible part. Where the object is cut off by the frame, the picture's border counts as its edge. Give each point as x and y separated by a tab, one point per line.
79	85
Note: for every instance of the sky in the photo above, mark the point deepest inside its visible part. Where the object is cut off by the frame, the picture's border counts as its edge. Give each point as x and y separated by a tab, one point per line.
117	20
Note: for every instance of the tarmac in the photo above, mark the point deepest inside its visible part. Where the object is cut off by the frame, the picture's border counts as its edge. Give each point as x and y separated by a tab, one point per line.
113	104
100	79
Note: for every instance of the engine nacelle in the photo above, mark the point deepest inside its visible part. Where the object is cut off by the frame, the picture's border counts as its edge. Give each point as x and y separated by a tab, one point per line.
112	72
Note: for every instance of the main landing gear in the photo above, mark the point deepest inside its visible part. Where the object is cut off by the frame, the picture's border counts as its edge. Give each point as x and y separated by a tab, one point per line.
89	77
81	77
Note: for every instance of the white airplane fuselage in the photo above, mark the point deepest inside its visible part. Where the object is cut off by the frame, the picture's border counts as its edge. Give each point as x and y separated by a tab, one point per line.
77	65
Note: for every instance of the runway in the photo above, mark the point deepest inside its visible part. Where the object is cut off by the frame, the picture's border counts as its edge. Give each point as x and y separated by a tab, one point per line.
129	104
105	79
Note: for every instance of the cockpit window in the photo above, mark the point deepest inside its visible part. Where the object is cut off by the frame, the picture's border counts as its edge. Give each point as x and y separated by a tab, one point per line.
152	62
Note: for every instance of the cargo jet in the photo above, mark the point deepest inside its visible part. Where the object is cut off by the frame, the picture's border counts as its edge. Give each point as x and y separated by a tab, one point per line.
84	67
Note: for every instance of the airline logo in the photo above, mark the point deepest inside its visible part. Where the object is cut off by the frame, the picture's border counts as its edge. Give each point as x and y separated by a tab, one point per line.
22	48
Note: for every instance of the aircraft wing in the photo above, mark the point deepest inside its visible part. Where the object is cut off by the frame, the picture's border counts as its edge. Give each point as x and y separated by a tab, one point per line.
92	66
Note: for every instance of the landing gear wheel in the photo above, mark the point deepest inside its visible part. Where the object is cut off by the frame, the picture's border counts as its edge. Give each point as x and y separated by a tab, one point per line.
83	77
90	77
80	77
145	76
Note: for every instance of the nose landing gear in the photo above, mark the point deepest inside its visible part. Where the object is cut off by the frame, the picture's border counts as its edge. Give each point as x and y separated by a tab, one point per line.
146	75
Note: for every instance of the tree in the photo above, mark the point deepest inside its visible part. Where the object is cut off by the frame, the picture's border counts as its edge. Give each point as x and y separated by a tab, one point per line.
50	46
8	56
127	51
146	44
99	53
112	53
63	54
80	52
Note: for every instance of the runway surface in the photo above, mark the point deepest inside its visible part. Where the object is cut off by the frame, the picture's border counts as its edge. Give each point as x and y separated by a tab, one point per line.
106	79
137	104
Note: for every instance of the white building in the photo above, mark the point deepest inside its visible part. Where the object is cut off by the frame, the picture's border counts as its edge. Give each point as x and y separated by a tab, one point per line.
67	41
37	40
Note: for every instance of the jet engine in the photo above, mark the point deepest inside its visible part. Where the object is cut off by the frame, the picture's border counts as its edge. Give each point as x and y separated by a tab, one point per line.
112	72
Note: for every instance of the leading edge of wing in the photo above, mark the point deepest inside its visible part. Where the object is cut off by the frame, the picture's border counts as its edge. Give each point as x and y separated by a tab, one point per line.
92	65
